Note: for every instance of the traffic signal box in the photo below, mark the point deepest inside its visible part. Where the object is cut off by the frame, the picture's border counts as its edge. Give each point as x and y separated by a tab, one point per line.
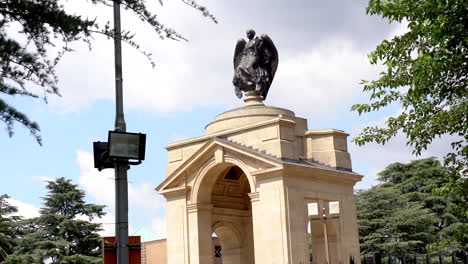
109	250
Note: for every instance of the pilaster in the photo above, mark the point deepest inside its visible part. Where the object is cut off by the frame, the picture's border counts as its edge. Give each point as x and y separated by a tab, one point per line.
257	226
200	230
177	236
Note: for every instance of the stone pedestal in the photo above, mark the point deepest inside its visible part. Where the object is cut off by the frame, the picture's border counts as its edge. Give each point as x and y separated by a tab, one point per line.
252	181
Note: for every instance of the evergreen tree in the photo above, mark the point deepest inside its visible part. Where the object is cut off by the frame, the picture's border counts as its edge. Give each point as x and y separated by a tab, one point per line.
63	232
426	74
403	215
8	227
418	181
389	224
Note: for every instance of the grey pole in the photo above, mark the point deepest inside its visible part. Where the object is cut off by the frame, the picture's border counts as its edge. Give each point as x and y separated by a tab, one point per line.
121	188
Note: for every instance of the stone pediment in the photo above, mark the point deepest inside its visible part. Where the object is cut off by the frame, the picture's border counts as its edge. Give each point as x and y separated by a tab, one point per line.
259	164
221	151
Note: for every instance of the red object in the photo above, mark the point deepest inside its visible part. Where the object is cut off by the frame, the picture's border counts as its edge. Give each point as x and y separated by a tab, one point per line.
109	250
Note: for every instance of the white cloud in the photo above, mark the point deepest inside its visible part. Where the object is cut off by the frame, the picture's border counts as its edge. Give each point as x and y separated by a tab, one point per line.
377	157
158	226
326	75
175	84
400	29
321	80
145	196
101	186
199	73
25	210
43	179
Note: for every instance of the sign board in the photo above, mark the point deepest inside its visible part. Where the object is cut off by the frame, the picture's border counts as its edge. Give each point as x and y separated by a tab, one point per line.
109	250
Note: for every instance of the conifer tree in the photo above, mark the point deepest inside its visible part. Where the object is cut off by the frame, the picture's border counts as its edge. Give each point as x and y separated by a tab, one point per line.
403	215
63	232
418	181
8	227
389	224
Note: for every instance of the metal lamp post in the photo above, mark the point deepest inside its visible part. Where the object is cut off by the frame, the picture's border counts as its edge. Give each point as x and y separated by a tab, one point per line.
121	188
121	148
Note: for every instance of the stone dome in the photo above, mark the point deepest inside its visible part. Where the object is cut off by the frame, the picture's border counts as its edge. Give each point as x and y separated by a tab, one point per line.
253	112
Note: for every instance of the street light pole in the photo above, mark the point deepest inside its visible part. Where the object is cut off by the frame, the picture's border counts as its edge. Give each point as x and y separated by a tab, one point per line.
119	117
121	188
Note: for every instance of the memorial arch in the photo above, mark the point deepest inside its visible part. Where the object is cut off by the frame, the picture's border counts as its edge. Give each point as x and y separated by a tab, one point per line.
252	180
226	187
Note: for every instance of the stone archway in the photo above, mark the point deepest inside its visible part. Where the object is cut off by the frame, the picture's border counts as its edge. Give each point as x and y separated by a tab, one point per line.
231	242
205	192
225	188
212	171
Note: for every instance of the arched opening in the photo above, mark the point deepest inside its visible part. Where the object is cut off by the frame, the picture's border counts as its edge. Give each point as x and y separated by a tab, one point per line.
226	187
229	249
231	190
323	231
213	174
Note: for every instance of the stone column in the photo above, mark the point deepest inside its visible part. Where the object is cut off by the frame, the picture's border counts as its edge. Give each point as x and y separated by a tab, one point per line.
334	241
297	226
271	240
176	223
200	232
257	226
350	236
248	246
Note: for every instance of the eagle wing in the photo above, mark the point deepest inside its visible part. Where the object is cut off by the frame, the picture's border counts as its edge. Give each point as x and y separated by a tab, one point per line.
271	54
270	59
238	52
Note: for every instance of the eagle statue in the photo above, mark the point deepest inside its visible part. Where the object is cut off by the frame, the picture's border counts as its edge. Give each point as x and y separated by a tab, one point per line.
255	64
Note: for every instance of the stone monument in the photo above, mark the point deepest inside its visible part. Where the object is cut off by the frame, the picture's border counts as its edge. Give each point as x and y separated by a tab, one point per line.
261	181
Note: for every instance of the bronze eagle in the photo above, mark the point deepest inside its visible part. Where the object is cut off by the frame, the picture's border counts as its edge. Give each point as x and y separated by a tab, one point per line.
255	64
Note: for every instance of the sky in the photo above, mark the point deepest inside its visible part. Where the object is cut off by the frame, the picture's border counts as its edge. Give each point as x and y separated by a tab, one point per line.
322	45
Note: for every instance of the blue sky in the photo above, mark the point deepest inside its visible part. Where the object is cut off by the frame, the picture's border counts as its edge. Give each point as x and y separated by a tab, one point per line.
322	48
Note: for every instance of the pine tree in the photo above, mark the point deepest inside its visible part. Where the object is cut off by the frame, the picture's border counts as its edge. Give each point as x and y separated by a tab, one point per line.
63	232
389	224
418	181
8	227
402	213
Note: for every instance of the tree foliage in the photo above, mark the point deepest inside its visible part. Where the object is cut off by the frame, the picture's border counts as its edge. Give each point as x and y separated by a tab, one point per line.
403	215
390	225
63	232
426	73
27	66
8	227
